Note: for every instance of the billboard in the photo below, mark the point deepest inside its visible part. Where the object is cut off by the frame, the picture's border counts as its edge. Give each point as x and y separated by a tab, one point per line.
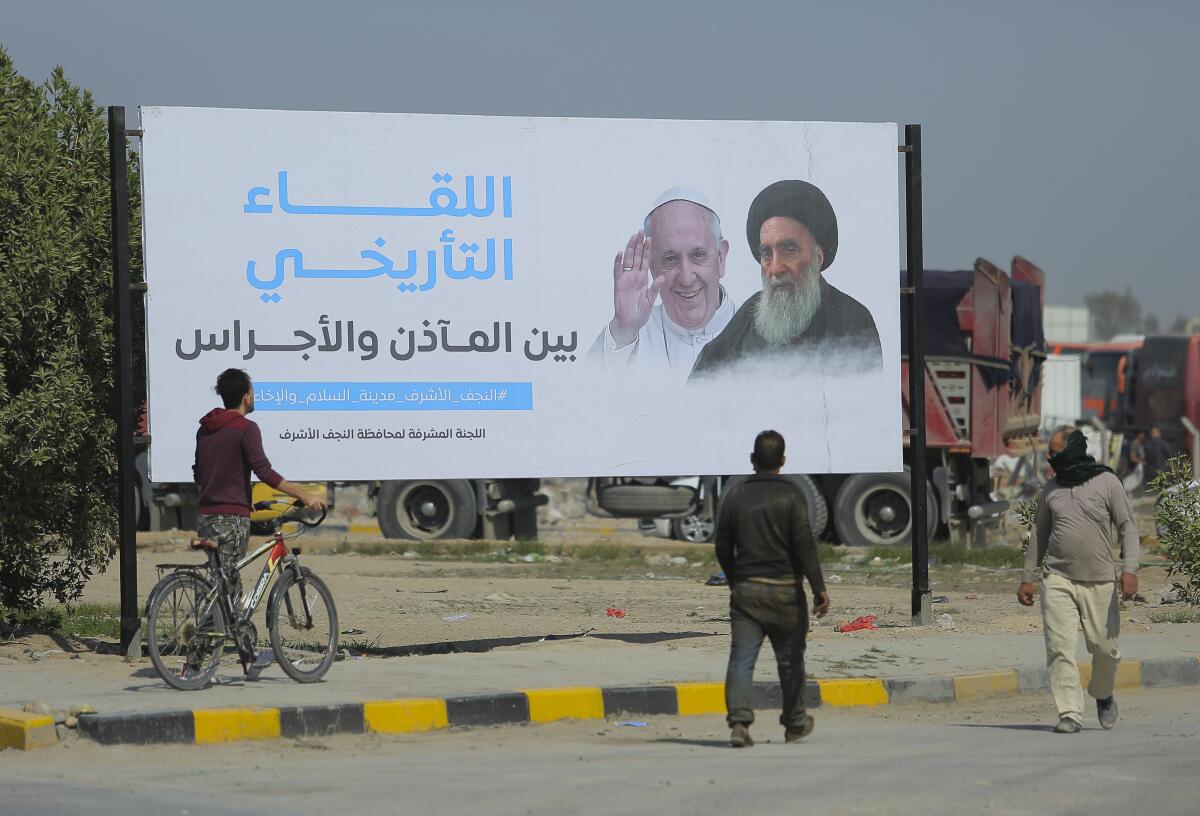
428	296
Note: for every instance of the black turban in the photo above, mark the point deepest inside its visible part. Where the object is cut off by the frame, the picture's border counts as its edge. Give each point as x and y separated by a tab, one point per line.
801	201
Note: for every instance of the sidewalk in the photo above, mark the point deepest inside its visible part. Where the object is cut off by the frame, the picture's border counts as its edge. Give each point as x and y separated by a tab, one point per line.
903	665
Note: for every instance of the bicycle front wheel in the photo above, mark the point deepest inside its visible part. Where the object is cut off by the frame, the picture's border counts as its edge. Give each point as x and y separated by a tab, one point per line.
303	624
185	631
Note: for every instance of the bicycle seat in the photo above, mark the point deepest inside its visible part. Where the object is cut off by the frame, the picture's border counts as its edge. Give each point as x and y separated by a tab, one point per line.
204	544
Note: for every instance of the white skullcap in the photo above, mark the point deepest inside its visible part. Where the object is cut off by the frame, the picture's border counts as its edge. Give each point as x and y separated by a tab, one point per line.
681	194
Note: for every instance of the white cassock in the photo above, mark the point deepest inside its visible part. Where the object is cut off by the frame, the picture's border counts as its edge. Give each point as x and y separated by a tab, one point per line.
662	347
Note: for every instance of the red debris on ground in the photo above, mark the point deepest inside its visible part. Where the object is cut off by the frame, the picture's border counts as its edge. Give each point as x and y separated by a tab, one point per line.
859	624
614	612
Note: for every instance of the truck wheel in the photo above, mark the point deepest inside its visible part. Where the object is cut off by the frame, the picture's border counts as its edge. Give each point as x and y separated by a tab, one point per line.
818	508
426	510
875	509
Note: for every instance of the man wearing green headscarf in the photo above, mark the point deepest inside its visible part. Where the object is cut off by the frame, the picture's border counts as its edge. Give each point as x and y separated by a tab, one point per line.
1082	512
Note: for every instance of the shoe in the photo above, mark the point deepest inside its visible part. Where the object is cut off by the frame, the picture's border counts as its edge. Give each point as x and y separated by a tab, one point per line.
1106	711
797	734
261	661
1067	726
739	737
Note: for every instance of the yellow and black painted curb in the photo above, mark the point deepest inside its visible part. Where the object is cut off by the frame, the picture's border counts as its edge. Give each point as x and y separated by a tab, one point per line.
538	705
24	731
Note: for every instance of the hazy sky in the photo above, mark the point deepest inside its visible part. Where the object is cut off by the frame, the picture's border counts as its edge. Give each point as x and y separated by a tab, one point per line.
1066	132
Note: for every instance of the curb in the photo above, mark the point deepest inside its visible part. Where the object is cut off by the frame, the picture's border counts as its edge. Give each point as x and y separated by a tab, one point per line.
412	715
26	731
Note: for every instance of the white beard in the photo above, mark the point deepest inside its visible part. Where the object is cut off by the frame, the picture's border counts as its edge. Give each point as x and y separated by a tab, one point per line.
785	309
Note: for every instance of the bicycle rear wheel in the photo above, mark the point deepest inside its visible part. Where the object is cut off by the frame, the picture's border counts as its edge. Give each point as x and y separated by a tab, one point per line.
303	624
185	631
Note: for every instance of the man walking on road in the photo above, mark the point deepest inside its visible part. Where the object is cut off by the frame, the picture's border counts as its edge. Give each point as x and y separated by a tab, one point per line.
766	548
228	447
1081	513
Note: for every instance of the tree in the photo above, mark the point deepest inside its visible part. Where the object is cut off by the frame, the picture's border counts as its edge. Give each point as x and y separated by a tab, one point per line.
1114	313
1177	520
58	479
1151	325
1180	324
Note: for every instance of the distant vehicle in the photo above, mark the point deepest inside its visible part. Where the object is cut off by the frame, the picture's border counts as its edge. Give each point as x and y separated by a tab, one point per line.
984	353
695	528
1142	383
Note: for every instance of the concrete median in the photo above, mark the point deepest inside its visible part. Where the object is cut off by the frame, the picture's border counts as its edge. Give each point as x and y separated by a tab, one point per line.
542	705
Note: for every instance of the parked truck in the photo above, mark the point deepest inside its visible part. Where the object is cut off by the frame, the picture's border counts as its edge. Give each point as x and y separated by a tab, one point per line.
1141	383
984	353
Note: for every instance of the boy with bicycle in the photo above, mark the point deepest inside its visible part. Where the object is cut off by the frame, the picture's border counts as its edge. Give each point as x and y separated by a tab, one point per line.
228	448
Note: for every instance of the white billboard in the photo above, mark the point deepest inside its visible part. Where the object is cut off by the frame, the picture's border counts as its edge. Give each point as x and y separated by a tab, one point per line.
426	296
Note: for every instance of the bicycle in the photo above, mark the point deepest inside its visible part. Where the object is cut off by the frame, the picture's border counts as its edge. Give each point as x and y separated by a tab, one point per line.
189	611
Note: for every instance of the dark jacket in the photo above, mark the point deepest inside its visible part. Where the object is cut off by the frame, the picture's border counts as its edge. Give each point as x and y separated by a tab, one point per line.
1158	451
842	333
228	447
763	532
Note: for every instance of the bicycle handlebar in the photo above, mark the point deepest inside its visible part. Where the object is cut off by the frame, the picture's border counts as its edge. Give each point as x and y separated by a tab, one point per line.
300	519
285	510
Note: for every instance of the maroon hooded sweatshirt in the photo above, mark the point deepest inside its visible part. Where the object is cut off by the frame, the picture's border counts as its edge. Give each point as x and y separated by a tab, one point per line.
228	447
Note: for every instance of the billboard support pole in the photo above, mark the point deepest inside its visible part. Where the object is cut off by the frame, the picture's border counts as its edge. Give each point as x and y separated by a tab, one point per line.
922	609
123	364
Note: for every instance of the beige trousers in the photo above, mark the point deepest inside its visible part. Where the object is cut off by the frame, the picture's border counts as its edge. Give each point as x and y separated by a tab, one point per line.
1067	604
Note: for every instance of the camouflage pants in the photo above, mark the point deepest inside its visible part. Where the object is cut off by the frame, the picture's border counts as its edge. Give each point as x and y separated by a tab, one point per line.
231	533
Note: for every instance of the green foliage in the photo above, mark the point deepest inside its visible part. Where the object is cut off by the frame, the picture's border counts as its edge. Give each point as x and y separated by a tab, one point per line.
1026	512
58	471
527	548
1176	616
14	622
946	554
606	551
827	552
80	620
1177	517
1027	516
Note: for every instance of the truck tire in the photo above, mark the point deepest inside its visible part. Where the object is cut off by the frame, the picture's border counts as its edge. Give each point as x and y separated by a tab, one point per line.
875	509
646	501
818	508
425	510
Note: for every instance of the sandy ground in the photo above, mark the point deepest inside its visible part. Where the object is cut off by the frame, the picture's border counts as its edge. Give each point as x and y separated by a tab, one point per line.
388	602
396	603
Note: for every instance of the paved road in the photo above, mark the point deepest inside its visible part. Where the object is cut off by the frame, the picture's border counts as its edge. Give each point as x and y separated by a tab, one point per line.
903	760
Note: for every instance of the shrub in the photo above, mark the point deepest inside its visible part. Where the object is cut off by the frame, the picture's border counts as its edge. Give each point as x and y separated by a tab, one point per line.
57	451
1177	517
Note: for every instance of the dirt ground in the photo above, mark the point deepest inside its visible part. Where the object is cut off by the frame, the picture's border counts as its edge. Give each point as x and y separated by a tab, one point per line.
401	602
388	602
